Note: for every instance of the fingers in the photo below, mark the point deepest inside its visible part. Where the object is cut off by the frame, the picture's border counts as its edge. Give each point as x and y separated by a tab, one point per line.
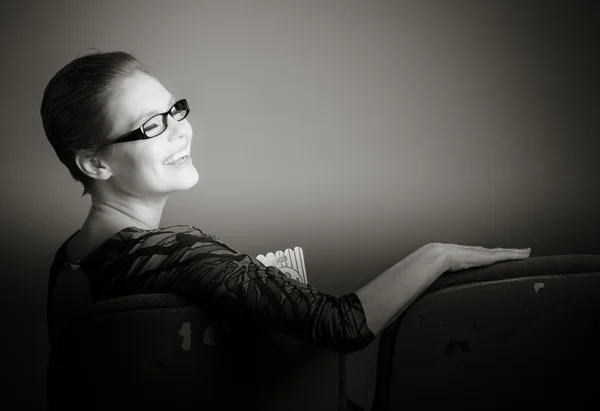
516	254
477	247
493	254
511	250
503	250
501	254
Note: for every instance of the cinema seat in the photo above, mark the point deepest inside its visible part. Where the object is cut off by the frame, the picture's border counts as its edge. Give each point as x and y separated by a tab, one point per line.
157	351
513	335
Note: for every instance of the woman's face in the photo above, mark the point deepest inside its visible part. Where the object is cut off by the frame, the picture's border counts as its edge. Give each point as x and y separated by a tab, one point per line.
139	168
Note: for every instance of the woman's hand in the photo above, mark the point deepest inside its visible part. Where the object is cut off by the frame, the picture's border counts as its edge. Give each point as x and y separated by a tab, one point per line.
385	297
461	257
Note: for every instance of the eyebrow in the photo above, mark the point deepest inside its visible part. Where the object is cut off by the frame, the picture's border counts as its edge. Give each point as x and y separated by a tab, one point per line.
149	114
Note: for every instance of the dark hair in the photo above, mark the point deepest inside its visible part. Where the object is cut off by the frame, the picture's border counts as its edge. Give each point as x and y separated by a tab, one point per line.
75	105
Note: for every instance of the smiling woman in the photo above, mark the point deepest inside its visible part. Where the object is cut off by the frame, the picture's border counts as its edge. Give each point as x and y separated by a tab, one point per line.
134	151
127	140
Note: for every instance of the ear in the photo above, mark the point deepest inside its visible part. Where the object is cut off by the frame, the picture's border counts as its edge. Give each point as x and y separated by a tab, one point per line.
93	166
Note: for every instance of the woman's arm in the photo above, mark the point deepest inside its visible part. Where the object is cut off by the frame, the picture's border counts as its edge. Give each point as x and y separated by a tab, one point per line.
208	272
387	296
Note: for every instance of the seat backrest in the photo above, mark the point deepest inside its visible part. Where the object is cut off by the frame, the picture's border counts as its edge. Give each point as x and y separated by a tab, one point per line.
513	335
158	350
71	298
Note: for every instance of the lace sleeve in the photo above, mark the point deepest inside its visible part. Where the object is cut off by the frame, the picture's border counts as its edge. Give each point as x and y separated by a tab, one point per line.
208	272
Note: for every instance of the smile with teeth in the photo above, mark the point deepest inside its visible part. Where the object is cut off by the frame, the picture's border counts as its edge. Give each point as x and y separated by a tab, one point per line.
176	159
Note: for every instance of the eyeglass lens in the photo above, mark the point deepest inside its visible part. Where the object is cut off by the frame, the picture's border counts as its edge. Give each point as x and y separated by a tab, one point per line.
157	124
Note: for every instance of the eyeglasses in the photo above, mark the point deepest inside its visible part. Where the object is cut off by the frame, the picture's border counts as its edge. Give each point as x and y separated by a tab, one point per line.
153	127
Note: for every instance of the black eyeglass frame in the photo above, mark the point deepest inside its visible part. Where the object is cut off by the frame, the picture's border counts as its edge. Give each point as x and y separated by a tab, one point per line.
140	134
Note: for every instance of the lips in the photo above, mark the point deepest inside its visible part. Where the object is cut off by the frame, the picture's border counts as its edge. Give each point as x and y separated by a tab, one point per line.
175	158
181	160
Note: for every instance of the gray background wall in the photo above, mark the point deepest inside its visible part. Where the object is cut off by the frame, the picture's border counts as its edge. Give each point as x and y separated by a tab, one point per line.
359	130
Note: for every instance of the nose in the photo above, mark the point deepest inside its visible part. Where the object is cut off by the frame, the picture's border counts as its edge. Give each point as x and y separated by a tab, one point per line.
177	129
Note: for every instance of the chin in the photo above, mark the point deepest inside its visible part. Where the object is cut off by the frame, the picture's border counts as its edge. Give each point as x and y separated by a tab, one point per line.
188	181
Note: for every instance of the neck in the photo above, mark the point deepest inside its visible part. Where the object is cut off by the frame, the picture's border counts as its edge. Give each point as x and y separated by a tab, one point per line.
126	212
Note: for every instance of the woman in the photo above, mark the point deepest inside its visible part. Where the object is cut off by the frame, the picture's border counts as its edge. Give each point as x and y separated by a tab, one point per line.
127	140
